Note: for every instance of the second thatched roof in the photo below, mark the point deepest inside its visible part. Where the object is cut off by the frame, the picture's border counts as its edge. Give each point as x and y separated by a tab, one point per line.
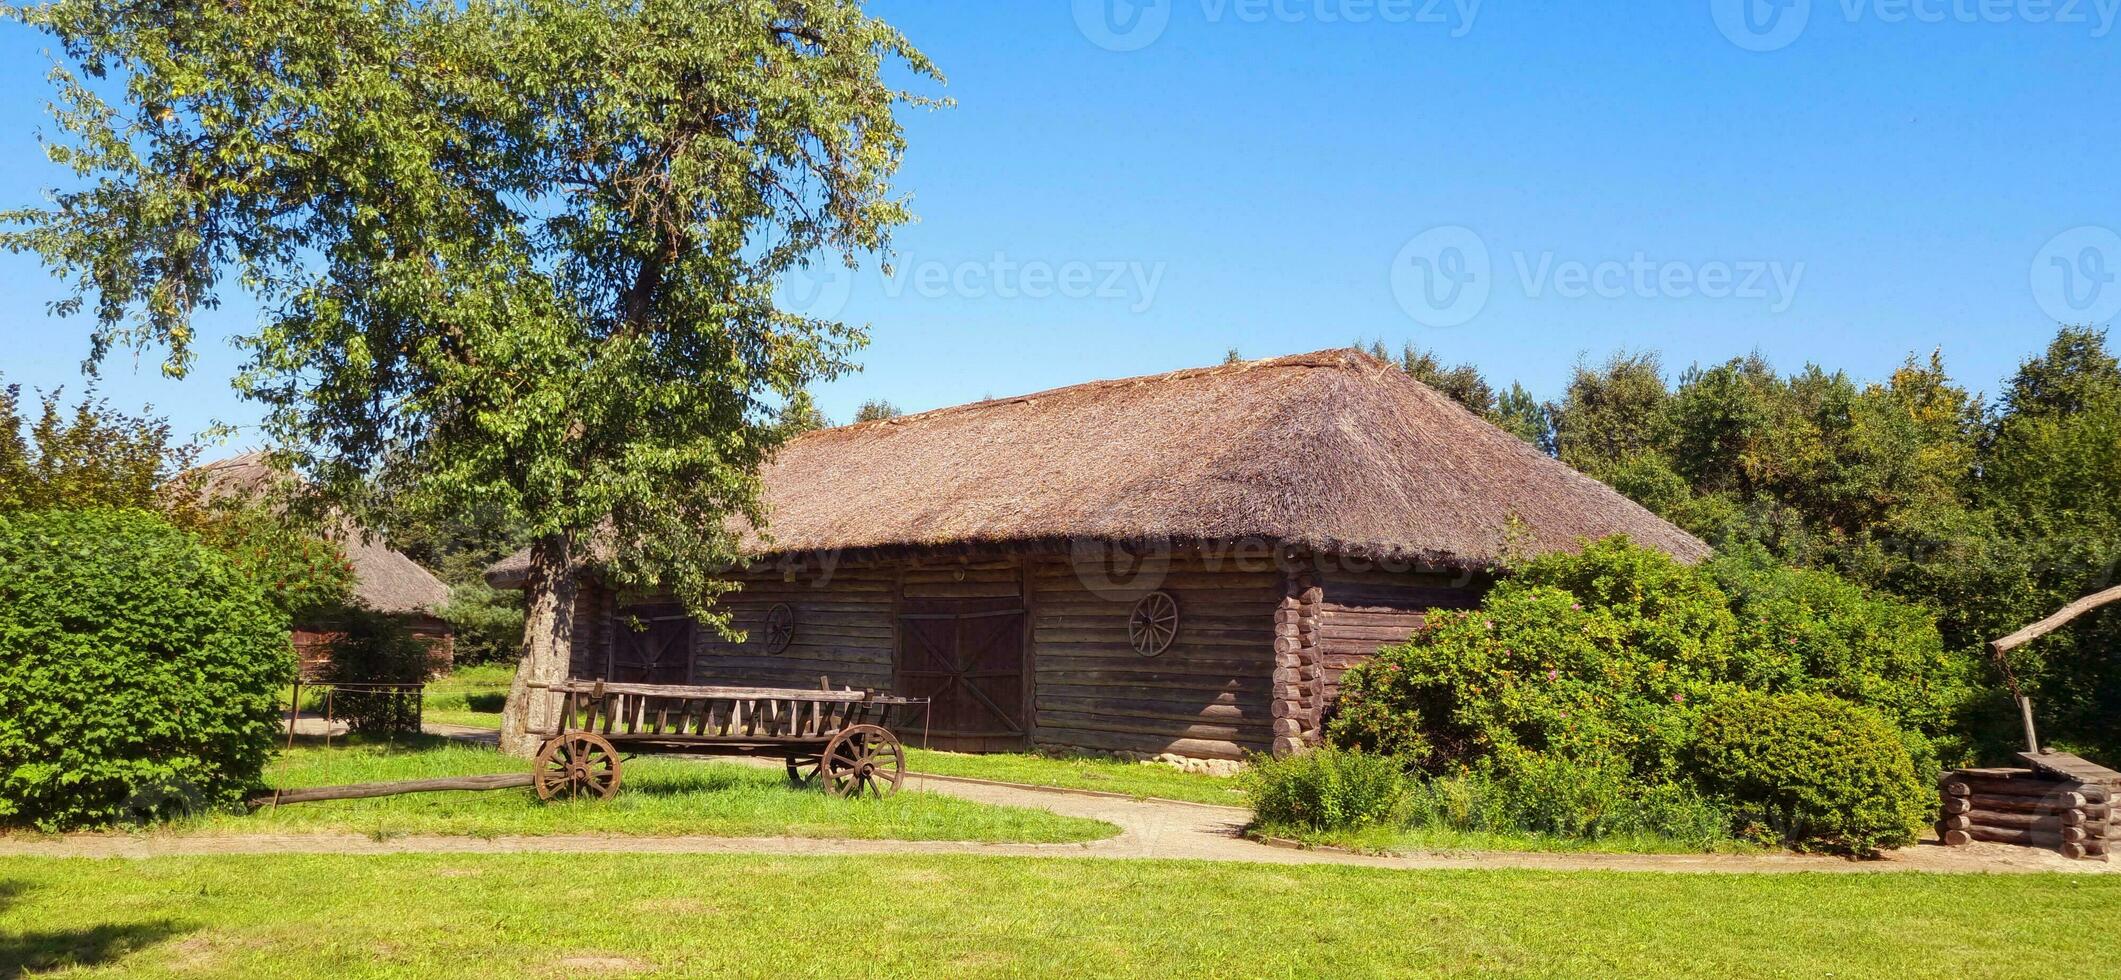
384	579
1334	451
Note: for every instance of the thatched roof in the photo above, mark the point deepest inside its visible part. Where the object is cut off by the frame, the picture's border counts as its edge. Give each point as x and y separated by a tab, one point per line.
385	580
1334	451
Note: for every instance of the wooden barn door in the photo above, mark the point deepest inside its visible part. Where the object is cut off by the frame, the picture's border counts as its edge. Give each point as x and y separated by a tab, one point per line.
967	655
652	645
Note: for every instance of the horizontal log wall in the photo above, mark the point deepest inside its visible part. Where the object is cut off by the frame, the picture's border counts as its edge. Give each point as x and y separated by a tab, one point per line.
1364	611
843	631
1207	696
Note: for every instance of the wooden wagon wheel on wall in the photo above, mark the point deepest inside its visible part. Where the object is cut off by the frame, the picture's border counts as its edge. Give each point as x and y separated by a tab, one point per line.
575	765
863	759
780	627
1154	624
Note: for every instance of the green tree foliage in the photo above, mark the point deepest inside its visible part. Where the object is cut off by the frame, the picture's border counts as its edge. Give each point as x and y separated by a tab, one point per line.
139	671
374	648
83	455
877	410
302	573
517	255
1989	516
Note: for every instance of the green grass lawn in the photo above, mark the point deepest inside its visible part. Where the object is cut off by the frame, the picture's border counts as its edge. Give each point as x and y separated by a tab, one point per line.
469	696
1140	779
553	915
659	797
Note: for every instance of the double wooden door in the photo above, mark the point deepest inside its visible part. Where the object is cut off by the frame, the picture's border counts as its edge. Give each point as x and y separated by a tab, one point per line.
967	657
652	645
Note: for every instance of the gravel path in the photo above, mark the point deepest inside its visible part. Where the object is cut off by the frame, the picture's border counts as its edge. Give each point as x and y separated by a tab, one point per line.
1148	829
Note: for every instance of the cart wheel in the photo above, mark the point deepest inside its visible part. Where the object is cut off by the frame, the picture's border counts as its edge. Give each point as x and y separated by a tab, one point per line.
802	770
864	759
575	765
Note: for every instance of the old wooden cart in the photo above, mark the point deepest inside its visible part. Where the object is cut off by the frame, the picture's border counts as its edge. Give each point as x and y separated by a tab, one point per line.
841	739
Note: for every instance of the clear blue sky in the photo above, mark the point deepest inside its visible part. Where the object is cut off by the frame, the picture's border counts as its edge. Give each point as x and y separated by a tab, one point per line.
1273	170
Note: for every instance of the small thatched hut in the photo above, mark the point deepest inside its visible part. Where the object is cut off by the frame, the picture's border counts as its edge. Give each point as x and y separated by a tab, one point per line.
385	580
1182	563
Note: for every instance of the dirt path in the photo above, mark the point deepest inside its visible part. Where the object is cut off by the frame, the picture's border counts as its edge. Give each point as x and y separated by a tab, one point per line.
1148	829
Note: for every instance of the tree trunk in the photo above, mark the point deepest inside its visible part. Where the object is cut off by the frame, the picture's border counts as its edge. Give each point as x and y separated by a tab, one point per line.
548	648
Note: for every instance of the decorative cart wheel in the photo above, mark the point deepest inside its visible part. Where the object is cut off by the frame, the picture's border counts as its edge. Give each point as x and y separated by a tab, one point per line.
780	627
575	765
1154	624
802	770
864	759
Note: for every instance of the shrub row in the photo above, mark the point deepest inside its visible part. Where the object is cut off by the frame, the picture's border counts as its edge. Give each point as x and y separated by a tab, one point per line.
1799	704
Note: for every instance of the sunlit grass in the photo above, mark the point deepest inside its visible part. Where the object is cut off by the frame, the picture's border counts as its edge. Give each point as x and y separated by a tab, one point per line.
659	797
469	696
1138	779
698	915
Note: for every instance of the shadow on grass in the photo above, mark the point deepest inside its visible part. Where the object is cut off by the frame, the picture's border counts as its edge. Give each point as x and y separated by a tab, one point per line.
401	743
27	952
486	702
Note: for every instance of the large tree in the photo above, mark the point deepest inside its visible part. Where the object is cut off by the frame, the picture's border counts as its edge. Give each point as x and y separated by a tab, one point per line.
515	257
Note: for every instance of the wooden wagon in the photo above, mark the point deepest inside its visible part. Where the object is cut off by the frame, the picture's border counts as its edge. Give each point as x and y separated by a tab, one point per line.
839	738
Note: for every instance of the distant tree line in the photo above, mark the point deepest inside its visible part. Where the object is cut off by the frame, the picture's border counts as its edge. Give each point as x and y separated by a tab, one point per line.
1989	513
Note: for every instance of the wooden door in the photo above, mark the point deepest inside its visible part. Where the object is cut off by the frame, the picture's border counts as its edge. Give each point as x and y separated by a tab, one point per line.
967	656
652	645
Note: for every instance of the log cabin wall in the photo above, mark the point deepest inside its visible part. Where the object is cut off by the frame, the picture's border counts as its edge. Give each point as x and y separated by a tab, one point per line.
843	632
1364	610
590	652
1207	696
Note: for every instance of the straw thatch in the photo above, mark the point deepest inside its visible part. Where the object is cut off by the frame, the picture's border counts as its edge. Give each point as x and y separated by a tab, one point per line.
1334	451
384	580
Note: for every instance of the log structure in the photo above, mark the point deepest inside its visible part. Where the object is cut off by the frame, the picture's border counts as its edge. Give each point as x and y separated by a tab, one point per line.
2064	805
1179	564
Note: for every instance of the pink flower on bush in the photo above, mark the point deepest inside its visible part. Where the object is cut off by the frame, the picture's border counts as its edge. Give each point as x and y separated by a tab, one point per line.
1553	675
1678	699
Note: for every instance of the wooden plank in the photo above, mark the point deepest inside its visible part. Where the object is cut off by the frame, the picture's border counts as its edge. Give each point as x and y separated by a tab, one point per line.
362	791
2071	767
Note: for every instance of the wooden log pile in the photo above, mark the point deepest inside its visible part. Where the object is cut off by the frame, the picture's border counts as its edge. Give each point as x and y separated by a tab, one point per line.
2028	807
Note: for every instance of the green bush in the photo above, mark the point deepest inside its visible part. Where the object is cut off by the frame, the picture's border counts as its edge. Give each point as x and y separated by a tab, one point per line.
374	648
1329	789
1603	653
1817	632
1811	772
1594	656
488	623
139	672
1539	794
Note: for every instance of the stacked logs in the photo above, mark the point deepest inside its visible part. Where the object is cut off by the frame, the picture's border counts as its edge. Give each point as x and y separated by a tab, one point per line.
2021	806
